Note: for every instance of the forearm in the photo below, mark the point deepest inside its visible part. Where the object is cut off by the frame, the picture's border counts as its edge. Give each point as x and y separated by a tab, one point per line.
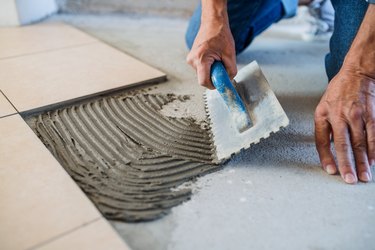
214	10
361	56
214	42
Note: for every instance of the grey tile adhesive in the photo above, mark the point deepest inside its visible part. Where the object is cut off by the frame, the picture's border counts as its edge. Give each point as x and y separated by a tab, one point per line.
126	156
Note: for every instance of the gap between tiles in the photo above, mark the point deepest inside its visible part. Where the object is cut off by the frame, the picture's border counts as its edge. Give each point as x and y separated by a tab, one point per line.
8	103
96	235
40	37
48	50
46	242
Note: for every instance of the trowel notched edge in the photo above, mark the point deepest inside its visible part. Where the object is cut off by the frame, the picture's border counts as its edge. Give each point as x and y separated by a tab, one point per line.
263	107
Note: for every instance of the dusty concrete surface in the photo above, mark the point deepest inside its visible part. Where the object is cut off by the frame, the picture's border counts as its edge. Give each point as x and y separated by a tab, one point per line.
273	196
160	7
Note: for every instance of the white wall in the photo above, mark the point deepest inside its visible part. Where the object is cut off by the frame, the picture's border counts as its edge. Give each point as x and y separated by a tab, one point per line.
20	12
8	13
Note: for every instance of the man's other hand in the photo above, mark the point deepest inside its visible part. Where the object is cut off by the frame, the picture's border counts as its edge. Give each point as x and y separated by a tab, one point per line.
347	113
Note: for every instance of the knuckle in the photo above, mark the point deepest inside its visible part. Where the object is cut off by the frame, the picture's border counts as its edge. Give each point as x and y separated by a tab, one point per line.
190	60
370	125
345	165
319	121
361	163
323	144
201	50
371	141
233	72
356	113
370	132
341	145
340	128
322	149
359	145
320	112
204	83
370	111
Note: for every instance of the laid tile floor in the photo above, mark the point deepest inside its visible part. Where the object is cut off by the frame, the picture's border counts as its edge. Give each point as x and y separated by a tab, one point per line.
41	37
41	207
36	80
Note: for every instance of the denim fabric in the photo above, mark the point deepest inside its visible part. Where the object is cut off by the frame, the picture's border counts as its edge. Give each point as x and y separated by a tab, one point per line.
348	17
247	19
290	7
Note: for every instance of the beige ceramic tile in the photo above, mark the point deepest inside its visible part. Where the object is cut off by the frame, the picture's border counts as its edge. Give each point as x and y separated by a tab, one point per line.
5	107
47	78
38	199
98	235
17	41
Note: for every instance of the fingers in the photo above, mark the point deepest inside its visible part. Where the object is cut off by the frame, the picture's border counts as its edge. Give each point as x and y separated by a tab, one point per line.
230	65
350	136
359	145
370	133
204	76
202	69
202	61
348	105
323	144
341	140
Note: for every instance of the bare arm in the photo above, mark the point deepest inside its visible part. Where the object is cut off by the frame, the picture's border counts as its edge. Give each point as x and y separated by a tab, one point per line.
361	55
214	41
347	110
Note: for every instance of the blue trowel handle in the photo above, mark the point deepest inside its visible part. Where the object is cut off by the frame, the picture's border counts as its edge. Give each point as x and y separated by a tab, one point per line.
232	99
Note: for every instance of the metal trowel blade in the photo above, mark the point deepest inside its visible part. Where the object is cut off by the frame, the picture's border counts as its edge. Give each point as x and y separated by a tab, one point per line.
262	105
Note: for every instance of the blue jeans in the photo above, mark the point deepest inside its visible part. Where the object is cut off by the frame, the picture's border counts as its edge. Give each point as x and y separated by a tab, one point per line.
348	17
247	19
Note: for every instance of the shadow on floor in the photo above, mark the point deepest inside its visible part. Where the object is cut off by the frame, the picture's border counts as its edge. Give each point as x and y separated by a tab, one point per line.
292	146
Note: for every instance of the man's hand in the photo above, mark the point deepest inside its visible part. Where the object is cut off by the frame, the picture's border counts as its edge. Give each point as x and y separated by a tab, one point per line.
214	41
347	113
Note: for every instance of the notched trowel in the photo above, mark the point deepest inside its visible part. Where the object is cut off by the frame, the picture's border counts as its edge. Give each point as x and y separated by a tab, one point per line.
243	112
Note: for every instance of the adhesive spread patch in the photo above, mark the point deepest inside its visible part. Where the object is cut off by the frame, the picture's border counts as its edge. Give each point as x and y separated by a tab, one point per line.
126	156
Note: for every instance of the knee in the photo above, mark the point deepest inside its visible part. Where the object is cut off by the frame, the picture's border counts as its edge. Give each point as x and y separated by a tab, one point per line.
193	27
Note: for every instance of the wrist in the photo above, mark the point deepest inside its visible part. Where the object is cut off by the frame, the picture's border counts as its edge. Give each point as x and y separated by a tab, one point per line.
361	55
214	11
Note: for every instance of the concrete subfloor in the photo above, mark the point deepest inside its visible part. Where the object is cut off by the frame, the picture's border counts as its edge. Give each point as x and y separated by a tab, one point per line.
272	196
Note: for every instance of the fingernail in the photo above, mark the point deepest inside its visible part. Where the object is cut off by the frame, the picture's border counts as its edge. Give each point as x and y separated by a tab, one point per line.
330	169
365	176
372	162
350	178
